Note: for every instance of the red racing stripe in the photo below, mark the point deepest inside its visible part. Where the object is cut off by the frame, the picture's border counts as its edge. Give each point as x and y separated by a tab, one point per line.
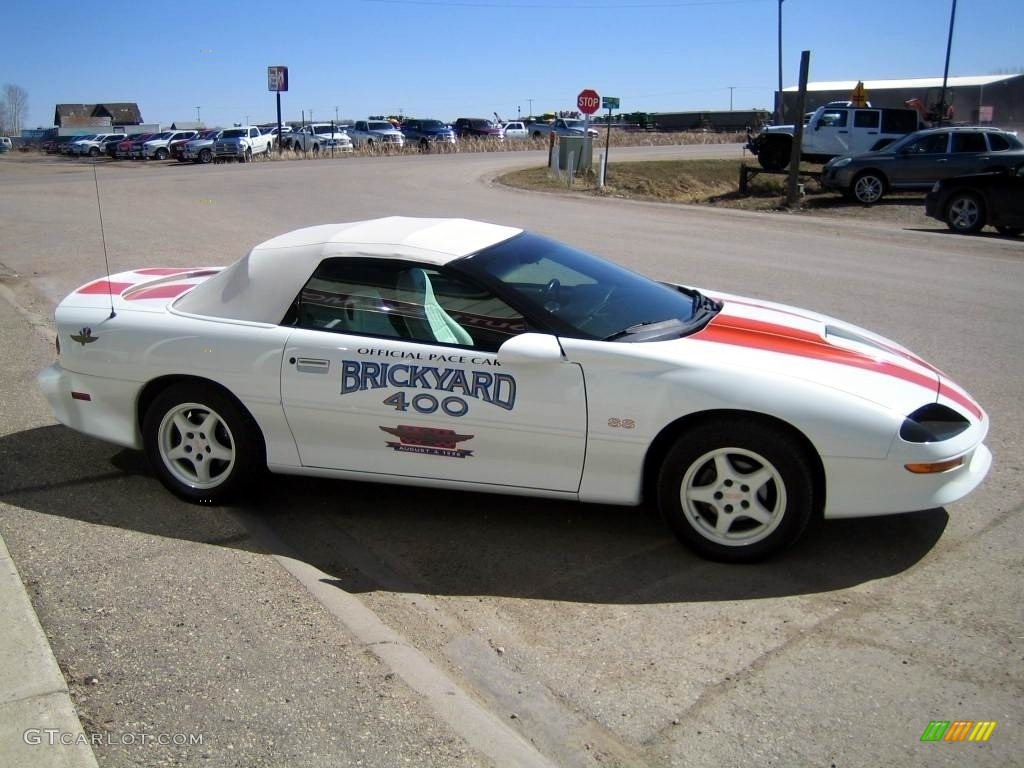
104	286
888	347
784	340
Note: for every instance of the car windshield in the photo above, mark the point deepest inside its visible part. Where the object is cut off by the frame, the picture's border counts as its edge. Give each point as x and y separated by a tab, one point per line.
164	135
380	125
583	296
431	125
323	129
574	123
234	133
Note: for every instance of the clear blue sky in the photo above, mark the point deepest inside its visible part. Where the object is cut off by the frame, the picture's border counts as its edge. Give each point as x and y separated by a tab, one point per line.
445	59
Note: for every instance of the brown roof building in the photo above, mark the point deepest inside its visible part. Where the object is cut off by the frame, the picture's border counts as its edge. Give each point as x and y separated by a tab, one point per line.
113	114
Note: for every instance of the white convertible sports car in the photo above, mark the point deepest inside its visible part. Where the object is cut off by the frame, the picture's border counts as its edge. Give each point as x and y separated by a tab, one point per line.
458	354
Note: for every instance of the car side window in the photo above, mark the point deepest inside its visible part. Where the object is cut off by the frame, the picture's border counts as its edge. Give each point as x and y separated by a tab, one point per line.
394	299
834	119
866	118
969	142
998	143
928	145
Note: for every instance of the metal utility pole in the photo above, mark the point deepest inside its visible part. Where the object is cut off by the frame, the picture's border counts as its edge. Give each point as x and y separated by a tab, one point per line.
945	73
731	89
779	112
531	107
198	119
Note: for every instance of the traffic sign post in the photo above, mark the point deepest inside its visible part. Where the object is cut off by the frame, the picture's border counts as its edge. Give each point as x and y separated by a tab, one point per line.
609	103
587	102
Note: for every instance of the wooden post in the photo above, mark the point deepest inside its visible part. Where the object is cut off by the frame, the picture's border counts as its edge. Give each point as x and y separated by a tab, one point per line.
792	187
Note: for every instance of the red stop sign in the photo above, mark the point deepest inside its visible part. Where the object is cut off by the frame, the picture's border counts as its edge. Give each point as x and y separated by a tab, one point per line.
588	101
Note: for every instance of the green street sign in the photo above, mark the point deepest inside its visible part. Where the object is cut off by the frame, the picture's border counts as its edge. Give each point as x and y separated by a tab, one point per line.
609	102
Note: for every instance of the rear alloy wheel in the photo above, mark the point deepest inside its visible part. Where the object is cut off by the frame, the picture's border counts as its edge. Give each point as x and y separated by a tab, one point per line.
736	491
94	152
868	188
1009	231
203	446
965	213
205	156
161	154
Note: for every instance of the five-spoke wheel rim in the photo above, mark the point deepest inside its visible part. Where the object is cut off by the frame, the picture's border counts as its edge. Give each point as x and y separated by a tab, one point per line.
964	213
868	189
196	445
733	496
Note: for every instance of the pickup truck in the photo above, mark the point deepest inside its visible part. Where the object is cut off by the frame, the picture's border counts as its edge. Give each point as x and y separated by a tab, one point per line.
562	126
320	137
833	130
242	143
369	133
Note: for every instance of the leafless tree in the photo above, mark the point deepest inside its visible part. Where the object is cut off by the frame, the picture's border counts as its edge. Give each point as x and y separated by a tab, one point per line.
15	107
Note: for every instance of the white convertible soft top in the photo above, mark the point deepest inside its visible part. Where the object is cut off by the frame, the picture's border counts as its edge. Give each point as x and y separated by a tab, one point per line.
262	285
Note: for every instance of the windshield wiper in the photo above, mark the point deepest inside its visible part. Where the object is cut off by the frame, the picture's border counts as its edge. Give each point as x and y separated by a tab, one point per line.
648	325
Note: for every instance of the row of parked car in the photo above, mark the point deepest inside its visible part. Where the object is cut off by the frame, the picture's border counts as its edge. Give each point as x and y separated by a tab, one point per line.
202	146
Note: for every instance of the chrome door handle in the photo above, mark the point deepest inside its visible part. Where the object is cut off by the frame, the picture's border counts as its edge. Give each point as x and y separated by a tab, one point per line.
312	365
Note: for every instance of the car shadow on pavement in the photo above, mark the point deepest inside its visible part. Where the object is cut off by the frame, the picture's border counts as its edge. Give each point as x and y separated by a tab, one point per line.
370	537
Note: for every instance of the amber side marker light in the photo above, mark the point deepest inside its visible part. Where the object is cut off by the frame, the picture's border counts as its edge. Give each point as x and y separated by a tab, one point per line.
935	467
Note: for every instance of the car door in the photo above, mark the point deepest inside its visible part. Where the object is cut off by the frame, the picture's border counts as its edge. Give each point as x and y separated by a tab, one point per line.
921	162
968	154
393	370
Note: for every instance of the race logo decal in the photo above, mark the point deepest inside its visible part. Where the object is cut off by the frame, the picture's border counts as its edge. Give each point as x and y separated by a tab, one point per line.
85	336
426	440
494	388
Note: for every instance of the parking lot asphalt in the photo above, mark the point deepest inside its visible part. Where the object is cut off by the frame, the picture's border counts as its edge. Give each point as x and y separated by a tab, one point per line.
295	630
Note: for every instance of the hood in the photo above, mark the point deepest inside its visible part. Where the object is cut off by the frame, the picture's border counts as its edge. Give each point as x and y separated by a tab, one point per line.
805	345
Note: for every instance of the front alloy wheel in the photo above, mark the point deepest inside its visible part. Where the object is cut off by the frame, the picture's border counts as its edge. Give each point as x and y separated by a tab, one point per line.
203	446
965	213
868	188
736	491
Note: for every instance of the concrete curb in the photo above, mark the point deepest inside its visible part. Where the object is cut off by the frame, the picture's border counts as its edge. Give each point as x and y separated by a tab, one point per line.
38	723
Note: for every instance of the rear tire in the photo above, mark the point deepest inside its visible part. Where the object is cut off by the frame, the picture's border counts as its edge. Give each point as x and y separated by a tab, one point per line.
965	213
205	156
736	490
204	447
161	154
773	155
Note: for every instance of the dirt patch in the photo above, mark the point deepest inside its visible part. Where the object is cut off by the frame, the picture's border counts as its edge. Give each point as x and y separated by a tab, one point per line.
716	183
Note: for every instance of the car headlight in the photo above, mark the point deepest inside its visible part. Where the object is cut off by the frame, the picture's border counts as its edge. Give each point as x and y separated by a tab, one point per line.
932	423
841	162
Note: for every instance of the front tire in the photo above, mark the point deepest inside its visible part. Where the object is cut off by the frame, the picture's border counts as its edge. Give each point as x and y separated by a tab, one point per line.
736	491
965	213
161	154
203	446
868	188
205	156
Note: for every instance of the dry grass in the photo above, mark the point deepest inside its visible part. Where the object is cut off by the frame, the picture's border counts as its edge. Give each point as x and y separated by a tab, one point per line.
671	181
619	138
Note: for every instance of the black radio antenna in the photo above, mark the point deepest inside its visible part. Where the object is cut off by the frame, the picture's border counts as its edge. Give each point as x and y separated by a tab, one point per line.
103	236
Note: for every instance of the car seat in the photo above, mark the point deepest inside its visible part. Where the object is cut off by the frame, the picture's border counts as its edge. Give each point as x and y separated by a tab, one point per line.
436	324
